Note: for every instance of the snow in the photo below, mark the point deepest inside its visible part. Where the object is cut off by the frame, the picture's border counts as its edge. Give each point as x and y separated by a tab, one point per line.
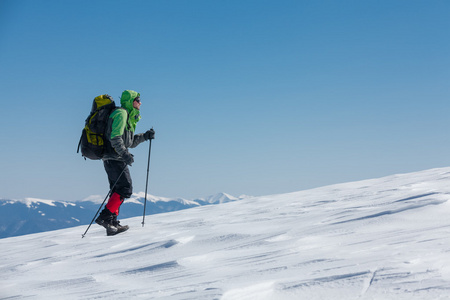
36	201
220	198
386	238
139	197
95	198
31	201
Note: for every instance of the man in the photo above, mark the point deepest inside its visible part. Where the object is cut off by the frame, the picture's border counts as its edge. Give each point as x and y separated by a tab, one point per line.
120	133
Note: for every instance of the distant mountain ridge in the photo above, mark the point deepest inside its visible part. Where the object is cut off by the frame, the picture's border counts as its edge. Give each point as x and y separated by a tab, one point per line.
33	215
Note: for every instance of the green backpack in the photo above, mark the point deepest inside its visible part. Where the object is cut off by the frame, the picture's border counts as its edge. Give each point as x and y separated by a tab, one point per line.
93	140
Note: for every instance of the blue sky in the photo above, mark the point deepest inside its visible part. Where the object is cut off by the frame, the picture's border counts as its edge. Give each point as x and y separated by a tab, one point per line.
246	97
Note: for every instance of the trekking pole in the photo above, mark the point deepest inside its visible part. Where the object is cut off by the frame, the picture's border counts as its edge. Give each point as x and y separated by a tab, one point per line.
146	183
107	195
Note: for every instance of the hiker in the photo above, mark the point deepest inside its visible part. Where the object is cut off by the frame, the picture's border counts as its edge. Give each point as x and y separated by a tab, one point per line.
116	159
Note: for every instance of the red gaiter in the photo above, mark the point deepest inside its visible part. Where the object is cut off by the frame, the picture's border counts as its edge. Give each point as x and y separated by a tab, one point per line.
114	203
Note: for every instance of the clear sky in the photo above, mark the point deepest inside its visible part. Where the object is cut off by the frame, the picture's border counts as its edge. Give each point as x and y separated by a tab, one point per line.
246	97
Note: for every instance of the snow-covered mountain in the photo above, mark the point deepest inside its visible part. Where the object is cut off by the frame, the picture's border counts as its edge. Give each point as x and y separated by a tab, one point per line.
32	215
386	238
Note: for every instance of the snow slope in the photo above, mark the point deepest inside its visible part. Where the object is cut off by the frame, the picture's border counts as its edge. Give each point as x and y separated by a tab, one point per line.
386	238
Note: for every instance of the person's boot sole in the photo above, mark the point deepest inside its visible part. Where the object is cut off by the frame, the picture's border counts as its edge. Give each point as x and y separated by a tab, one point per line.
118	230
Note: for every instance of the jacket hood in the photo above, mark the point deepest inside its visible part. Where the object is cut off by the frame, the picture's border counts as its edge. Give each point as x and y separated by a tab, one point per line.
126	102
127	99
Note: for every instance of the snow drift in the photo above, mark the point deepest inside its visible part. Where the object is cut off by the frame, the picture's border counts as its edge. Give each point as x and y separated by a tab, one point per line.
386	238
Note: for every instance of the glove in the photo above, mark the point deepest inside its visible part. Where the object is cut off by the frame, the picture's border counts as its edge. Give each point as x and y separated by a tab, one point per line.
149	135
128	158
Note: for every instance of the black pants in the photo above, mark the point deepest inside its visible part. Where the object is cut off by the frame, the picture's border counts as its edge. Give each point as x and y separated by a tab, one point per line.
124	186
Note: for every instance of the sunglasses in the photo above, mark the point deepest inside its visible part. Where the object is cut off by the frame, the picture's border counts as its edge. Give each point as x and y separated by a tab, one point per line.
138	100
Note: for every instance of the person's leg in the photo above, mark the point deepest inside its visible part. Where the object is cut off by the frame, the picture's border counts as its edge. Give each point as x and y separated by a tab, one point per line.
124	185
117	171
114	203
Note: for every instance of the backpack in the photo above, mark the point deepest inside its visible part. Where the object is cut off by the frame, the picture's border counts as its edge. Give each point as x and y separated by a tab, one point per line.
93	141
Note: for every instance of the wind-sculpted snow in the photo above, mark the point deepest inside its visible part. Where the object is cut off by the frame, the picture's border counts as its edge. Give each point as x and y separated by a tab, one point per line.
385	238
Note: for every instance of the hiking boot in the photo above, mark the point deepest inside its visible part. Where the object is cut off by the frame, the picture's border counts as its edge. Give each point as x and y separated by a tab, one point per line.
105	219
119	227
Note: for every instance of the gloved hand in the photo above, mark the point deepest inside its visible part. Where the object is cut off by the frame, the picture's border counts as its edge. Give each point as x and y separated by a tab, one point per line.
149	135
128	158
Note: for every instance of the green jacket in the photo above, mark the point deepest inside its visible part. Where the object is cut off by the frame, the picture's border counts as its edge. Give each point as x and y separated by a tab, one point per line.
121	126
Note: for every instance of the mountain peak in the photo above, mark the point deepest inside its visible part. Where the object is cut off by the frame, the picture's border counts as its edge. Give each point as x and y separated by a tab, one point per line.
219	198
